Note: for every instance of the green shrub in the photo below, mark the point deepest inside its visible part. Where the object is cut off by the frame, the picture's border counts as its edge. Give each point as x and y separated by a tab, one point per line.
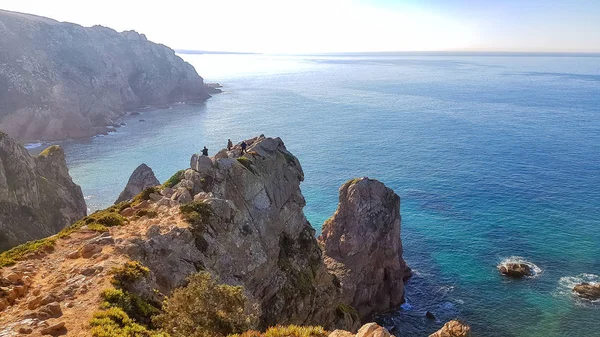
144	195
114	322
286	331
133	305
196	213
128	273
146	213
204	308
174	180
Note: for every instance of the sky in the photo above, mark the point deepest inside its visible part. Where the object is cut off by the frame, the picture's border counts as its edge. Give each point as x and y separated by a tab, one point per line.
331	26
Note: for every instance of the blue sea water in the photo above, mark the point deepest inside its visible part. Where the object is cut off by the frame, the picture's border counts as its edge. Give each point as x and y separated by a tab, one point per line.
493	157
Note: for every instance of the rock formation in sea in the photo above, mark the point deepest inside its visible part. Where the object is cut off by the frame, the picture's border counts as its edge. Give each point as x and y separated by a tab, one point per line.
238	217
587	291
453	329
60	80
515	269
362	246
38	198
141	178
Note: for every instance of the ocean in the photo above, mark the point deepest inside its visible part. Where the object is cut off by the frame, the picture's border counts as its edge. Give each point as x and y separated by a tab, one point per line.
495	157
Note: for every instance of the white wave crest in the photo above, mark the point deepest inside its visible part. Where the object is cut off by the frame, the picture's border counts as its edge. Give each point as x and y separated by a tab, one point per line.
567	283
536	271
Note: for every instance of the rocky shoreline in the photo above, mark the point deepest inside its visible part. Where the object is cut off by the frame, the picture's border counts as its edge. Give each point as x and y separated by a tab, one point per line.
61	80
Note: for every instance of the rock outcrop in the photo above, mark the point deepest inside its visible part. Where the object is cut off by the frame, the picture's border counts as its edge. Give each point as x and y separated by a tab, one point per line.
367	330
37	196
515	270
587	291
141	178
362	246
60	80
253	233
453	329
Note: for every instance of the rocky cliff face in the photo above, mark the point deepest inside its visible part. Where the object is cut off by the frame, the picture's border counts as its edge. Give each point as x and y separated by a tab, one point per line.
61	80
254	234
141	178
37	196
239	217
362	246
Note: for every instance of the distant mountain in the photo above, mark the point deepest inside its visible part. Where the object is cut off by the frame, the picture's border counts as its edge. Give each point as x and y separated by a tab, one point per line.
61	80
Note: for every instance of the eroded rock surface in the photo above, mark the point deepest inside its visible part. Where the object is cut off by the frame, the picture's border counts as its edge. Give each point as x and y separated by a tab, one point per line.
453	329
38	198
588	291
61	80
362	246
141	178
515	270
254	233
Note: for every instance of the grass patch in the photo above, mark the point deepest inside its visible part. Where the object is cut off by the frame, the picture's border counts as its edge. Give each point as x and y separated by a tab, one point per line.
11	256
174	180
128	273
144	195
49	151
286	331
146	213
247	163
196	213
342	309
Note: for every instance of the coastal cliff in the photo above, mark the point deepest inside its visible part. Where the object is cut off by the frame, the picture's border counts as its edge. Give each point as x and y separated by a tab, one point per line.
60	80
236	216
37	196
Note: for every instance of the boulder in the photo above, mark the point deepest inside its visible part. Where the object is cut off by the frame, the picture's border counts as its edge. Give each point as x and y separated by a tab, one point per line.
362	246
372	330
55	329
453	329
587	291
141	178
515	270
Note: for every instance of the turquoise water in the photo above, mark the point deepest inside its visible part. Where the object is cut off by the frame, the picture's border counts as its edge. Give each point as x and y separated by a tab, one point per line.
492	156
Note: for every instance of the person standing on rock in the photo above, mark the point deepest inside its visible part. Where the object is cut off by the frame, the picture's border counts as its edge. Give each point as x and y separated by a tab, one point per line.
244	145
205	151
229	144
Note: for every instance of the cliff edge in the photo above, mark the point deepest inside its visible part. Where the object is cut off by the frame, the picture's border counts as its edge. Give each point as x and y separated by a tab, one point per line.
37	196
60	80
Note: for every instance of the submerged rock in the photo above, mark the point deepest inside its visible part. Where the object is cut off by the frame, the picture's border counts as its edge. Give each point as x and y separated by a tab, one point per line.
141	178
587	291
453	329
38	198
515	270
362	246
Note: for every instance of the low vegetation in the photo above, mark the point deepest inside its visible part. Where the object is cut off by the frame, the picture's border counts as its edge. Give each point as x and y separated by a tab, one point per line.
49	150
98	221
247	163
147	213
128	273
11	256
343	309
114	322
145	195
174	180
204	308
286	331
196	213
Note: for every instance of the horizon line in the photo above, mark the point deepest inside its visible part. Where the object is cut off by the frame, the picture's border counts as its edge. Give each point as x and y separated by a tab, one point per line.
405	52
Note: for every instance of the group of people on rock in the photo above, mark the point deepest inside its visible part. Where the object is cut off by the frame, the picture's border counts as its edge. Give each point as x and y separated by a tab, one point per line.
243	145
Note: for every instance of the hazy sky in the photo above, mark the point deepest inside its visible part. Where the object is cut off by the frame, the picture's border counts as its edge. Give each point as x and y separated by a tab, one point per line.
305	26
